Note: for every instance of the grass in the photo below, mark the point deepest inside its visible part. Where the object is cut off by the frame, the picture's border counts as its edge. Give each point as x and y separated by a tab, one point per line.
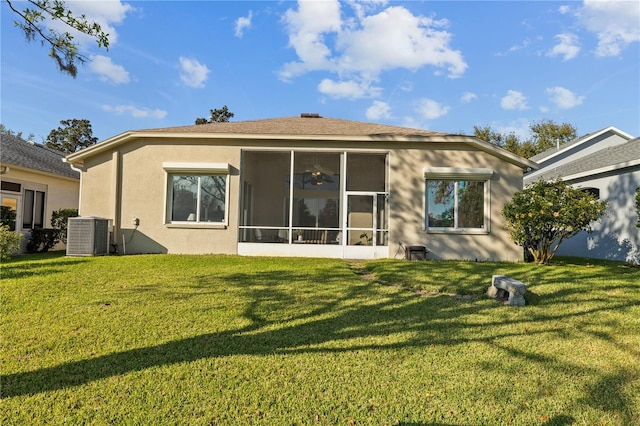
168	339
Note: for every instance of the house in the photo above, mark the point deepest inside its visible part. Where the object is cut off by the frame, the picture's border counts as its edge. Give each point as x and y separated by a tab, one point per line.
607	164
302	186
35	182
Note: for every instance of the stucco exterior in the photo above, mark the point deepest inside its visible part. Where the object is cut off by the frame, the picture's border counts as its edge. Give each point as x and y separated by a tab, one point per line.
607	163
615	237
29	171
125	181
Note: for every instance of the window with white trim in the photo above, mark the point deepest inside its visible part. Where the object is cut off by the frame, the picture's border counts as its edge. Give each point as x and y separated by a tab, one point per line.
457	199
197	193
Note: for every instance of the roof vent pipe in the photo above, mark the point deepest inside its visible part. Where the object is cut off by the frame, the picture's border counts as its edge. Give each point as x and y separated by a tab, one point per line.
310	115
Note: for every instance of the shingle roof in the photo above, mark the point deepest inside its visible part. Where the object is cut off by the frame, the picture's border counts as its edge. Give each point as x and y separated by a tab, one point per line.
616	156
300	128
321	126
18	152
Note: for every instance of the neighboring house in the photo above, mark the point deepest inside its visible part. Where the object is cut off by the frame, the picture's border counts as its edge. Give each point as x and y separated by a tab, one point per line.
607	164
35	182
302	186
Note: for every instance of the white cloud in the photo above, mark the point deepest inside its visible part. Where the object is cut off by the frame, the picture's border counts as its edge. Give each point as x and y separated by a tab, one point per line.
348	89
567	47
514	100
243	23
395	38
193	73
563	98
364	46
564	9
515	48
306	28
468	97
106	13
615	23
520	127
378	110
430	109
107	70
135	112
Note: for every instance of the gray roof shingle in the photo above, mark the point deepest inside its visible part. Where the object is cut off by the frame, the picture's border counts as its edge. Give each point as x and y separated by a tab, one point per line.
607	157
18	152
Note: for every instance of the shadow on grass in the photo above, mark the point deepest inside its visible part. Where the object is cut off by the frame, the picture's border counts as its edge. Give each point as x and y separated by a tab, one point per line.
335	314
17	268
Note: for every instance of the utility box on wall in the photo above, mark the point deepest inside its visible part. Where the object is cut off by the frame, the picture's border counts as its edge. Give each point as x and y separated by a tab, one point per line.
87	236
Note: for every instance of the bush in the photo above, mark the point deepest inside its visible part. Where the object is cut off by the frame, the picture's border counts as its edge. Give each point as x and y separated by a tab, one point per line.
544	214
43	239
8	217
9	242
60	219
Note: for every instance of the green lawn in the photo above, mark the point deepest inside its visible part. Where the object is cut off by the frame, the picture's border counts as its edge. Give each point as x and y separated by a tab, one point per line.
200	340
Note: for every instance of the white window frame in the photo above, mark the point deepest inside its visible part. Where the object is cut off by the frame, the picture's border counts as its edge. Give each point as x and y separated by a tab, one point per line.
198	170
459	174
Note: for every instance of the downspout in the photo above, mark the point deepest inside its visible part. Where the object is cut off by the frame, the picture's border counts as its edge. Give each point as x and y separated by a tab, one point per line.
117	192
76	169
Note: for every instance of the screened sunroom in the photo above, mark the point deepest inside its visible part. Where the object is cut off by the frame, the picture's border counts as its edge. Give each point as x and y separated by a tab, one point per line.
315	203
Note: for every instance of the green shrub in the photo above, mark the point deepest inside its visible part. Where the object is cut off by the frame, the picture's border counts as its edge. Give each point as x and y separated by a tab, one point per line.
544	214
60	219
9	242
8	217
43	239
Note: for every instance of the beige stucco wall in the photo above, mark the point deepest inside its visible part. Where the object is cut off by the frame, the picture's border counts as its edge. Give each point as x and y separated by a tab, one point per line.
140	192
61	192
407	183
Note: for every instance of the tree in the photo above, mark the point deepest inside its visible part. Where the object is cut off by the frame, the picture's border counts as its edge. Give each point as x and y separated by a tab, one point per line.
76	134
545	134
4	131
33	22
544	214
222	115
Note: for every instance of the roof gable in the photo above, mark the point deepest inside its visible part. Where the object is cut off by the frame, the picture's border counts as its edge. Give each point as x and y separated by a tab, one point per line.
20	153
576	144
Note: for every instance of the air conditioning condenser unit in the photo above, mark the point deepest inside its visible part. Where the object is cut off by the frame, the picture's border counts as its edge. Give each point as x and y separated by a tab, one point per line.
87	236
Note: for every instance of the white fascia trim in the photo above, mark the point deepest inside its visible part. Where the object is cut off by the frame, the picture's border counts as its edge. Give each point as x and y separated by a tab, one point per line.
222	168
457	173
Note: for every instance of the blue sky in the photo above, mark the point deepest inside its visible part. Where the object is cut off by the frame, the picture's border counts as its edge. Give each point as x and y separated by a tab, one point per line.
442	66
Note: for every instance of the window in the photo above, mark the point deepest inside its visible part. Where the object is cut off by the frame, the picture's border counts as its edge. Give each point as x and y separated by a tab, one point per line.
593	191
457	199
199	198
33	213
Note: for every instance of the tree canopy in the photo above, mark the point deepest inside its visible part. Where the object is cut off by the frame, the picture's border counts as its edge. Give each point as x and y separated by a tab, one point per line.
8	132
33	21
76	134
222	115
545	134
546	213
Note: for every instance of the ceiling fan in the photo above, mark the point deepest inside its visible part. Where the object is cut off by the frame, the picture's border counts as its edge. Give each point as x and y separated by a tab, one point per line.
319	174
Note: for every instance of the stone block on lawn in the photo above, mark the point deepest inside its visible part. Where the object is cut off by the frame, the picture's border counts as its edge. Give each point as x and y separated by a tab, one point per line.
502	285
